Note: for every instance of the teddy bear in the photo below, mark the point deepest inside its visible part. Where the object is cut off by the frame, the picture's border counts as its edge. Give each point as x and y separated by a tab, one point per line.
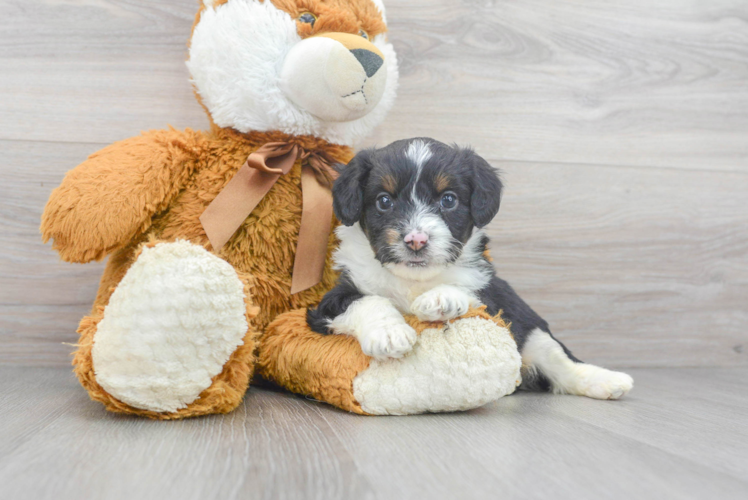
217	241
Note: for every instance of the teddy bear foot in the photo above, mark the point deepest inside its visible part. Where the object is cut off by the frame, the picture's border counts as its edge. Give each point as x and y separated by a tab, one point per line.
174	339
454	366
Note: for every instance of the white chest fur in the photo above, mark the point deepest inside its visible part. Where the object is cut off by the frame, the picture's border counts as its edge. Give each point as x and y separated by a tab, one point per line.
402	285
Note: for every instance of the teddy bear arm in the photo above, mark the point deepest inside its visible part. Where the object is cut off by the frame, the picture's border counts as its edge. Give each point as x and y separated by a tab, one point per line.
112	196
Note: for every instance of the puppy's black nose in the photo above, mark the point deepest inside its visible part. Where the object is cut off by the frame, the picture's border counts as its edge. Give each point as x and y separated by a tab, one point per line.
370	61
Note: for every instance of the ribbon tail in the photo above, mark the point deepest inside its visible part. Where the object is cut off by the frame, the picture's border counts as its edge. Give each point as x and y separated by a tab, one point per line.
314	233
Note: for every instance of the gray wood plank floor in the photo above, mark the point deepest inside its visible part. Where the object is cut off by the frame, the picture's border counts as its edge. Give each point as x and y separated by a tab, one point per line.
622	130
682	433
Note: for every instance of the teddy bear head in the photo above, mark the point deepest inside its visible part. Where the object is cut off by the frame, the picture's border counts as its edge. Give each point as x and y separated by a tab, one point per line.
302	67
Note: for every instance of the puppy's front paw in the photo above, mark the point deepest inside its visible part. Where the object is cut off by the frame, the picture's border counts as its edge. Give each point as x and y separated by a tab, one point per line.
441	303
599	383
391	340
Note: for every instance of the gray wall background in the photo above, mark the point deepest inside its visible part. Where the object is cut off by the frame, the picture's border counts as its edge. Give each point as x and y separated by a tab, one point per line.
621	128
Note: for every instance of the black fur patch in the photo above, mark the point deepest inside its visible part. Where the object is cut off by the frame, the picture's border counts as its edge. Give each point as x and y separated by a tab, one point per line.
333	304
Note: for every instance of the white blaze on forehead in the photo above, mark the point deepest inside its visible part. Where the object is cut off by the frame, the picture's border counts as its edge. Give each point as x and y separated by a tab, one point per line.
423	218
419	153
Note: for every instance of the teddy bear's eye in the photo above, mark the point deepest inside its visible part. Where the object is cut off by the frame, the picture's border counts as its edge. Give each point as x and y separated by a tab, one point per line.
308	18
363	34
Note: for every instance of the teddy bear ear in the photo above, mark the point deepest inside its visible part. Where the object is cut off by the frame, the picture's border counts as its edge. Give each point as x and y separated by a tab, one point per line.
348	191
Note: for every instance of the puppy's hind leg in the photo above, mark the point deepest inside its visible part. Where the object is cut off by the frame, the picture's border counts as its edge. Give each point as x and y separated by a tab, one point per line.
545	358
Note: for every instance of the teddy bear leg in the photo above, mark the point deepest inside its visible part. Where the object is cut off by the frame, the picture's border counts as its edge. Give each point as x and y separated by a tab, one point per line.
458	365
176	338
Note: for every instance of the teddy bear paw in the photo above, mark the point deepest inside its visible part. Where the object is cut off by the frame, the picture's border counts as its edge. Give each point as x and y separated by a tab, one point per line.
170	326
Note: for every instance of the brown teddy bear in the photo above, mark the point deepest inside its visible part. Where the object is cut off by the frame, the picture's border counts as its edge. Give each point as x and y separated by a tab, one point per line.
213	235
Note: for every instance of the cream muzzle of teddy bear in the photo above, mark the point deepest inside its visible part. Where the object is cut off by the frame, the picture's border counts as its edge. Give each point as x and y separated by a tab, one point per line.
335	76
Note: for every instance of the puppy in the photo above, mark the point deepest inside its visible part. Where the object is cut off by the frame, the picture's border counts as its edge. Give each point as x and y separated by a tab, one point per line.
412	243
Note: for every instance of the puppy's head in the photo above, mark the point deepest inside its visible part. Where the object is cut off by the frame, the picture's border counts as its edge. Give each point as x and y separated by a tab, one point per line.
417	201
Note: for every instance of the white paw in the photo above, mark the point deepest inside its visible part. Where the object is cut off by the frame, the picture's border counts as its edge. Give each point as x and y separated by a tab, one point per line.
599	383
387	340
441	303
378	327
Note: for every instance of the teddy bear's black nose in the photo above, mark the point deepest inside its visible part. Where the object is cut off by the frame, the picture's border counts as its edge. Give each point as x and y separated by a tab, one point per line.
370	61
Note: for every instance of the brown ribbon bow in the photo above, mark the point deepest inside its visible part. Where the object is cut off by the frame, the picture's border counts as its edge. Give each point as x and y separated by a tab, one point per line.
245	190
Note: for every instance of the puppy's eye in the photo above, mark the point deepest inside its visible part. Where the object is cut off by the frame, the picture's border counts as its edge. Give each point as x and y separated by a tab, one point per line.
308	18
384	203
363	34
448	201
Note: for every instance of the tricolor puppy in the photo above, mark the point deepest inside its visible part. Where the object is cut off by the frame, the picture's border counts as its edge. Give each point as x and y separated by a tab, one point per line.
411	243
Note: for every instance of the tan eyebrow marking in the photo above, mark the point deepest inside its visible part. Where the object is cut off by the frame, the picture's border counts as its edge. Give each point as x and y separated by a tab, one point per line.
441	182
389	183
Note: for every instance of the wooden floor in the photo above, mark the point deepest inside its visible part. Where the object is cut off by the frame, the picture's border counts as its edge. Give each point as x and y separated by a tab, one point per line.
681	434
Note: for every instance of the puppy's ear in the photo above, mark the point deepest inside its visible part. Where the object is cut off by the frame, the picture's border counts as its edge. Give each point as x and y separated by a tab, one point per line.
348	190
487	187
